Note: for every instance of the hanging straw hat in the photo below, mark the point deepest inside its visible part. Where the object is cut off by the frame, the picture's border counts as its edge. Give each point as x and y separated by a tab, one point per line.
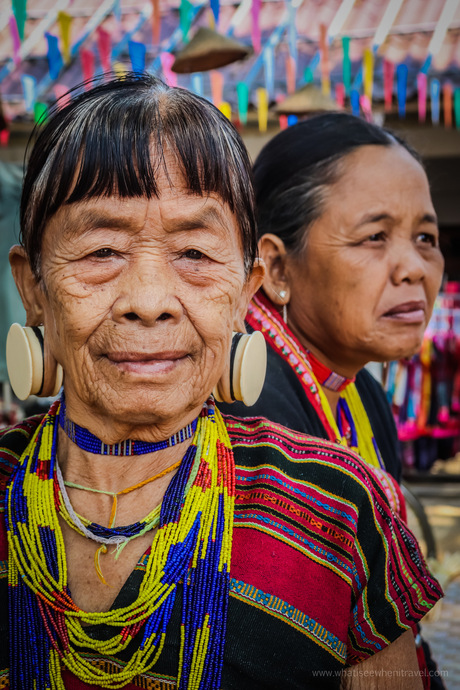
208	50
308	99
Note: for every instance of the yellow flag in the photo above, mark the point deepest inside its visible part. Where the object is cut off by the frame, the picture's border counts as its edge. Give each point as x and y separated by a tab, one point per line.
119	69
368	72
226	109
262	109
65	24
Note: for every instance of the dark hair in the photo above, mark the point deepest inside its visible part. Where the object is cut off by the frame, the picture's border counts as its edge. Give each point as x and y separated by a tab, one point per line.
101	144
295	168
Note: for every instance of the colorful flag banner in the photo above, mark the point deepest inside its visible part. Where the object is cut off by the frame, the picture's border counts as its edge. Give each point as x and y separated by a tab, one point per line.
62	95
308	75
422	87
457	108
255	25
29	88
262	109
55	61
354	102
269	69
226	109
104	46
185	18
40	113
435	95
117	11
368	73
217	87
167	60
197	83
15	38
4	137
401	87
137	56
283	121
120	69
242	93
366	107
215	7
65	23
290	73
292	120
87	66
20	13
388	79
292	31
324	56
156	22
447	92
340	94
346	64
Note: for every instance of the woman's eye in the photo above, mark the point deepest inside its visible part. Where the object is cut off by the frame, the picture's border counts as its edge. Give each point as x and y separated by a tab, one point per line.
103	253
376	237
194	254
427	238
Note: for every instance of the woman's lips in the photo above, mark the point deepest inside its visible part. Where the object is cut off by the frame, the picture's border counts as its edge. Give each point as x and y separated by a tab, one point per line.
146	363
409	312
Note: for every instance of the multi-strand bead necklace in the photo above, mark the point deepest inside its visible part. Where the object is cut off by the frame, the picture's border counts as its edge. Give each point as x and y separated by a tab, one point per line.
262	316
192	546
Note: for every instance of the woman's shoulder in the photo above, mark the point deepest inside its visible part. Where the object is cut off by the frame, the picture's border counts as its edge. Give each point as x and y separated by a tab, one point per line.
257	442
13	442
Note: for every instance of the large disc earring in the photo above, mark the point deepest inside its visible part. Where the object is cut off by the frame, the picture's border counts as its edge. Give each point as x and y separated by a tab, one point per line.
246	375
31	370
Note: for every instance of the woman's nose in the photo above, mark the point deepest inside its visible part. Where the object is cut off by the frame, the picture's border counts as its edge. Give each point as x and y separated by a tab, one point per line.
147	293
408	265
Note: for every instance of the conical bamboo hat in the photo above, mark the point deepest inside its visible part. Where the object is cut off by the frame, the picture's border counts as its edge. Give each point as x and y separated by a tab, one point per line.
208	50
308	99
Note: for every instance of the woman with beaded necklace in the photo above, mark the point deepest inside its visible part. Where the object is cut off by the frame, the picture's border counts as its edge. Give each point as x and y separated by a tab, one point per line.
146	540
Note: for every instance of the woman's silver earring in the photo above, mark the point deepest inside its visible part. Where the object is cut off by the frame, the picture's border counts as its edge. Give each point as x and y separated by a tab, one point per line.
245	377
31	371
282	294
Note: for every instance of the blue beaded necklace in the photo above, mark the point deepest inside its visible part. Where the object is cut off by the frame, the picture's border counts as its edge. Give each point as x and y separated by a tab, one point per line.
87	441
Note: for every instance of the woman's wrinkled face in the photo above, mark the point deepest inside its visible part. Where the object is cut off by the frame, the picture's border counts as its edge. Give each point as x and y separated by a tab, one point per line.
140	298
365	285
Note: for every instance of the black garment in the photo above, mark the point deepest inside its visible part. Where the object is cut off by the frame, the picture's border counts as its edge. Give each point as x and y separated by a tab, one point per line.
283	400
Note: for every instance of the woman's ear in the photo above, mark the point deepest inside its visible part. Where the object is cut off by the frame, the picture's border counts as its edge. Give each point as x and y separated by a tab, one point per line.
273	253
28	285
253	283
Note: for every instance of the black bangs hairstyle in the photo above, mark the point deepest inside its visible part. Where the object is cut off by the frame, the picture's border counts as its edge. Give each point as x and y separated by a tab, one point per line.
295	169
111	140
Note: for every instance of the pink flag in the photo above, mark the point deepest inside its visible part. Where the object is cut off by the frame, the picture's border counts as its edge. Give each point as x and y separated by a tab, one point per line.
104	46
283	122
15	38
388	78
167	60
255	28
324	58
290	73
62	95
87	65
366	107
4	137
217	87
340	94
422	91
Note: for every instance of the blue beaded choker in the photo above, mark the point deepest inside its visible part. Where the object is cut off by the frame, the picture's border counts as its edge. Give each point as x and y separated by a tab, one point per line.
87	441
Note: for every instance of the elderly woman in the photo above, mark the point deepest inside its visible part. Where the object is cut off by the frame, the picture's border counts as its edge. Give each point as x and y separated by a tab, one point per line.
148	541
350	240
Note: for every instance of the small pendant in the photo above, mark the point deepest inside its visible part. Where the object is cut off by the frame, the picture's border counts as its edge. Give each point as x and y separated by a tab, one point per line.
97	564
